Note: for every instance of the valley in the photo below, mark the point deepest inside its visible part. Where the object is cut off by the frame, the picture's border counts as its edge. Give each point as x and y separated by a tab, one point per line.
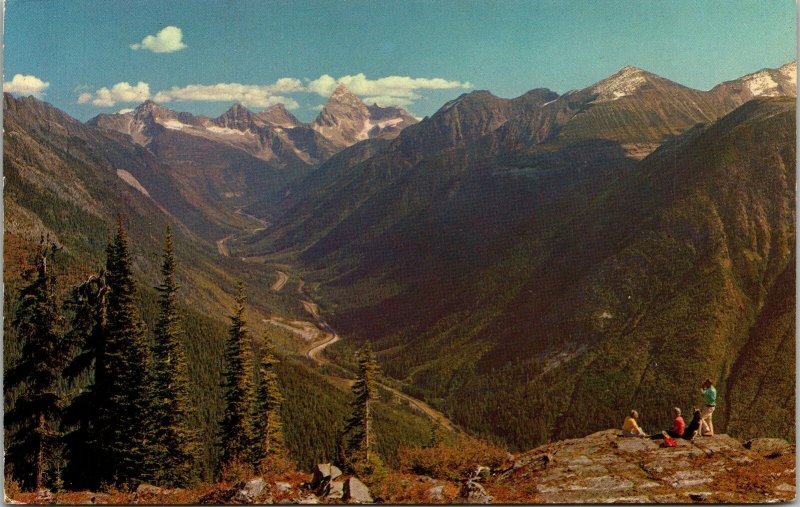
525	269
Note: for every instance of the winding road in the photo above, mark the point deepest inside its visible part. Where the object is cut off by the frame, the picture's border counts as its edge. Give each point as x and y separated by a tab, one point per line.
280	282
328	334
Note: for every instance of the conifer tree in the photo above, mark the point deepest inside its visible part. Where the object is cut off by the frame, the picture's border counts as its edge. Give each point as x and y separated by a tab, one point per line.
267	429
32	422
89	463
127	368
175	444
357	431
235	428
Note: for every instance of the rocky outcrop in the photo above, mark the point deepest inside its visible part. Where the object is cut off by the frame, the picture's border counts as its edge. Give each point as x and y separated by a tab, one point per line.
356	491
606	468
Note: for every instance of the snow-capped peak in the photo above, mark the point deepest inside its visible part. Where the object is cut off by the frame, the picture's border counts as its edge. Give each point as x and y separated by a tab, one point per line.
624	82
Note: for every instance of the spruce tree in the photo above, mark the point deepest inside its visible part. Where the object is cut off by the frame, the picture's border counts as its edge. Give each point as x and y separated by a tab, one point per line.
33	420
235	428
357	432
89	463
267	429
175	444
127	369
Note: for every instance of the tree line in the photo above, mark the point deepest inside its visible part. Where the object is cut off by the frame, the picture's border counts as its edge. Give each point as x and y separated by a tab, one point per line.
93	401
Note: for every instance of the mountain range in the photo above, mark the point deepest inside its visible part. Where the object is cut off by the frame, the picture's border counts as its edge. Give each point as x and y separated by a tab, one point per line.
533	267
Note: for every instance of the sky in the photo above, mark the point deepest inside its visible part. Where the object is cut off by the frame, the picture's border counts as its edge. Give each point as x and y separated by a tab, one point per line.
91	57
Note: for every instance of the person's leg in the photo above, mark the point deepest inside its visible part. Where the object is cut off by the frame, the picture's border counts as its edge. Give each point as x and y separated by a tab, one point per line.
705	419
710	421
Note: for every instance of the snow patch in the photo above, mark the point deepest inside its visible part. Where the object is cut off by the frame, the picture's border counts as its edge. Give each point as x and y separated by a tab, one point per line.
369	125
761	84
224	130
625	82
173	124
790	71
132	181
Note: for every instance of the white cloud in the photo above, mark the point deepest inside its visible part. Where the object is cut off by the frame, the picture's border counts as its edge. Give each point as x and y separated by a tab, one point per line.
26	85
251	95
125	111
385	91
168	40
120	92
388	100
389	90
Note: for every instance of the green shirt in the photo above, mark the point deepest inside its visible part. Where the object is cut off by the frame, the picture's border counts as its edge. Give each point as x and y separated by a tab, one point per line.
710	396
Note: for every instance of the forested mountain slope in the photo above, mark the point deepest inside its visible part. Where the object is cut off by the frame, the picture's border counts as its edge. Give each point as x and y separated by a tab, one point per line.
508	274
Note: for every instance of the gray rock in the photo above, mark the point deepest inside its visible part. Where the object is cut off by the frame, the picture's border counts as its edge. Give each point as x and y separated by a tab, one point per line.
251	490
356	491
334	490
283	487
786	487
309	500
436	494
148	490
324	472
472	492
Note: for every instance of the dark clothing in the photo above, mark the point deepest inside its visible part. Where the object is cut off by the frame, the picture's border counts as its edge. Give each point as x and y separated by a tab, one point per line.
672	434
693	427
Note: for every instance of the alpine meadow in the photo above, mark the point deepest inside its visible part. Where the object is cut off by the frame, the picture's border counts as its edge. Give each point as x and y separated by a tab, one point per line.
308	252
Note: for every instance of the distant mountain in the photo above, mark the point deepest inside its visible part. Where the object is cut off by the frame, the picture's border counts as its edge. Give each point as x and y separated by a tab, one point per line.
346	120
477	249
268	135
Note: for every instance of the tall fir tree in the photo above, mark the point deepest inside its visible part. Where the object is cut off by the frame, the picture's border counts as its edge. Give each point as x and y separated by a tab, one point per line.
175	444
131	431
357	435
32	422
89	464
268	440
235	428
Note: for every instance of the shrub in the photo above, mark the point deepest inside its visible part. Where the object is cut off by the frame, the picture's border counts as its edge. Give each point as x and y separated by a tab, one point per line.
451	461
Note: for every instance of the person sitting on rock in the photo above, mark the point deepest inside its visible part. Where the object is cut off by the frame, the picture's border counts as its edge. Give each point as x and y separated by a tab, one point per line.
678	426
691	431
630	428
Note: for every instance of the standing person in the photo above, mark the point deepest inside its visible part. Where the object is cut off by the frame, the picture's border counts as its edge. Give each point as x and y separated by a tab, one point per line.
709	394
630	428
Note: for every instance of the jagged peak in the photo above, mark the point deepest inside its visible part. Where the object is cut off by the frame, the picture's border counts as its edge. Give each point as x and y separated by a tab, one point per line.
341	89
149	106
276	108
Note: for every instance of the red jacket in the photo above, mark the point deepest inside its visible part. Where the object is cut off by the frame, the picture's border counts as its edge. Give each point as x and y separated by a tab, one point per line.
678	426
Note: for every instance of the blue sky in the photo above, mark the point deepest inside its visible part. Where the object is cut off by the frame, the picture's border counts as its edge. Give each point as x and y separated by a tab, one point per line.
262	52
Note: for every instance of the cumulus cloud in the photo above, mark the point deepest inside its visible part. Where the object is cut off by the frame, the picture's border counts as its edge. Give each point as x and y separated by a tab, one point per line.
385	91
120	92
251	95
168	40
389	90
26	85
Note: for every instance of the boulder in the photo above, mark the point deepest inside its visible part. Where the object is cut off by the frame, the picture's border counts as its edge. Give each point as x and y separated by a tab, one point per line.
472	492
436	494
769	447
251	490
310	499
356	491
324	472
334	490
